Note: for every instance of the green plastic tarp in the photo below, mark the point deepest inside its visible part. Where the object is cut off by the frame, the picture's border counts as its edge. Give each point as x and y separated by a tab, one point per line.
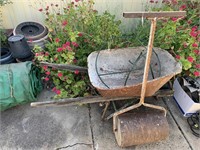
19	83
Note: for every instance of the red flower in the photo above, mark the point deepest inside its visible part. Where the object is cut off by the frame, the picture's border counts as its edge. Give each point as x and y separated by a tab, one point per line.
198	66
30	41
196	74
174	19
80	34
45	67
77	0
60	74
47	73
76	72
178	57
196	51
46	53
189	22
59	49
190	59
151	1
40	9
55	58
58	92
185	45
182	7
37	54
174	2
75	60
46	79
75	44
194	28
194	45
64	46
54	89
57	40
67	43
193	33
64	23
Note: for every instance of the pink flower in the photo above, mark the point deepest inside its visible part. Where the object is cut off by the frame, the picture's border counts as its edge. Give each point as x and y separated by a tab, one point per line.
57	40
76	72
40	9
194	45
190	59
59	49
60	74
75	44
47	73
58	92
196	74
67	43
80	34
55	58
77	0
64	23
198	66
174	19
37	54
193	33
46	79
178	57
45	67
182	7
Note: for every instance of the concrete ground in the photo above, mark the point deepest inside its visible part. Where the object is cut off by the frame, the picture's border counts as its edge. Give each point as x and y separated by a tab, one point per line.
81	128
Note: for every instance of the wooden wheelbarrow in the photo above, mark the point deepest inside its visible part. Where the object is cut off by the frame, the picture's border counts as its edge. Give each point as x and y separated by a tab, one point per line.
117	74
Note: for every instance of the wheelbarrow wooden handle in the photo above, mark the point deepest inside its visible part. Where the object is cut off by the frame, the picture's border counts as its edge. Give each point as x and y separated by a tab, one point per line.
159	14
68	67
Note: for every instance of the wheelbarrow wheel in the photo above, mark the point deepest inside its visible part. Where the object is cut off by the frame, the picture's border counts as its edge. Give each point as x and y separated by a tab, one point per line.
140	127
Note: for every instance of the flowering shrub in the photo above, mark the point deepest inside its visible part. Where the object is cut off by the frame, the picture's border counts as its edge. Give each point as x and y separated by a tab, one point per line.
75	30
181	35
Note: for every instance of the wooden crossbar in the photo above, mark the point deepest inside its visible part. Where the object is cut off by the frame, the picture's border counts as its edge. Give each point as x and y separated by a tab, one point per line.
157	14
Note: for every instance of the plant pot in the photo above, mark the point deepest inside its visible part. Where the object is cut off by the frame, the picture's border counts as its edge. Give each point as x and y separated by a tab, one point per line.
19	46
31	30
6	56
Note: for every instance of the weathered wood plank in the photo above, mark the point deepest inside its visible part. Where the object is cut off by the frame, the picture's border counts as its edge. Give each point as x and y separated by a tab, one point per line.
154	14
92	99
65	67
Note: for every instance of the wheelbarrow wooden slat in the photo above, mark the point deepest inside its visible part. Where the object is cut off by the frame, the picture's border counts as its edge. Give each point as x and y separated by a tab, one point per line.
93	99
68	67
154	14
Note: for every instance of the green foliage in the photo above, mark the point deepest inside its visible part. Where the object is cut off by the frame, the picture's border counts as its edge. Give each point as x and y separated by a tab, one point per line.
4	2
179	35
4	39
75	30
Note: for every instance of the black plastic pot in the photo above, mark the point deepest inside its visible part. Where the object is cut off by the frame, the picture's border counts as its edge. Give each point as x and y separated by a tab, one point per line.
30	58
31	30
19	46
6	56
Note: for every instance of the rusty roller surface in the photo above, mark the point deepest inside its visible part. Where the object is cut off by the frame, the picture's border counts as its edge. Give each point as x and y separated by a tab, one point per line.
141	127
